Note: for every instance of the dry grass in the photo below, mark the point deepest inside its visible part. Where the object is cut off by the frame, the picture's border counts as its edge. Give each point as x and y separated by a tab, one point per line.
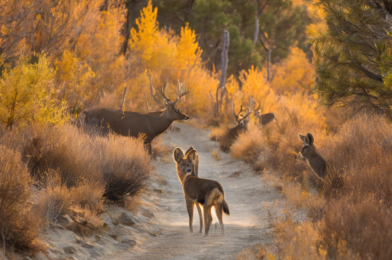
19	221
162	151
249	146
295	192
218	132
120	164
256	252
215	154
276	145
351	217
57	199
74	172
298	240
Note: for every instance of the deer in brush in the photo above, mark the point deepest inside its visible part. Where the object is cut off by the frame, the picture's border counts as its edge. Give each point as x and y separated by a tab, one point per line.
242	125
314	160
264	119
134	124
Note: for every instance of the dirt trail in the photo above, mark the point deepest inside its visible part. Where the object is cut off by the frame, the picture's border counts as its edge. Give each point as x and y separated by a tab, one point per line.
247	196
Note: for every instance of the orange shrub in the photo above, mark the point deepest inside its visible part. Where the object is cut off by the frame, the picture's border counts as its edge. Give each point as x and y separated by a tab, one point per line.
19	221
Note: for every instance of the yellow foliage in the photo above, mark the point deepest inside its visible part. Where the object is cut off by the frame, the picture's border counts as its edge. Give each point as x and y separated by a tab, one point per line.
168	57
188	51
155	48
27	94
294	74
94	66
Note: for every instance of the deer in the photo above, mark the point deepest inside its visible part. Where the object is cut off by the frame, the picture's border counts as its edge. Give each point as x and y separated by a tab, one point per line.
314	160
206	192
242	125
264	119
191	159
134	124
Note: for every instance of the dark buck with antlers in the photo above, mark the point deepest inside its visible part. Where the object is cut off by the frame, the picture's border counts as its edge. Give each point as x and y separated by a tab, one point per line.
242	125
133	124
264	119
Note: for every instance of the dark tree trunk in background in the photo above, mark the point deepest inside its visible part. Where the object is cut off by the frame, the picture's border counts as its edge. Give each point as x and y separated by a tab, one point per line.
221	90
127	25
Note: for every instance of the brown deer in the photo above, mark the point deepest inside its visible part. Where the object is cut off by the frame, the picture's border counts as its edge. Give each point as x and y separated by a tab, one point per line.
134	124
309	152
203	191
242	125
191	159
264	119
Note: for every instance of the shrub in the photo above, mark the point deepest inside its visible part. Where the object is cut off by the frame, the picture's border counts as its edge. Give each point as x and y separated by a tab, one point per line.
126	167
19	222
352	219
57	199
217	133
119	164
249	146
363	227
26	95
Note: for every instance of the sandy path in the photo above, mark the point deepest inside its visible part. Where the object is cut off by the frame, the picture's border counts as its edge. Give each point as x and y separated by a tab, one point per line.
247	196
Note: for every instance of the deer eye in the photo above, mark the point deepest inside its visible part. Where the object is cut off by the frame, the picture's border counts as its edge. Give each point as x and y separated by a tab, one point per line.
177	110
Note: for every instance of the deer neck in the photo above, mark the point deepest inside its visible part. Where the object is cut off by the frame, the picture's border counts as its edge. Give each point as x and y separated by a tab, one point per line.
181	176
162	122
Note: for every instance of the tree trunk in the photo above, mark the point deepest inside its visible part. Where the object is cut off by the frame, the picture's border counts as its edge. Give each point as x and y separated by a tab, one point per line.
256	24
221	90
127	26
269	62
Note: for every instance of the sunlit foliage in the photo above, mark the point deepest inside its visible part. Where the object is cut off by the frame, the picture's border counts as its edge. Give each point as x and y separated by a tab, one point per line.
27	94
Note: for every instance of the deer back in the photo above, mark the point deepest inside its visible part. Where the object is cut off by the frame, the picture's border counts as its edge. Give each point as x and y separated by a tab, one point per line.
266	118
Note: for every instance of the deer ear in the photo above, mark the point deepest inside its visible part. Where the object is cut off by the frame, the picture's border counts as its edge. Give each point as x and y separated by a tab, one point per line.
310	138
302	137
178	155
189	149
192	155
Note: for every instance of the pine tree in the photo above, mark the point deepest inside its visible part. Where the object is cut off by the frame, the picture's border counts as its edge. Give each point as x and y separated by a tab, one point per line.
354	56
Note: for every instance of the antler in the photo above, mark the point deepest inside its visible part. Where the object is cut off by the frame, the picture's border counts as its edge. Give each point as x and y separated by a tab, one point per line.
152	91
236	116
163	92
257	107
180	93
250	109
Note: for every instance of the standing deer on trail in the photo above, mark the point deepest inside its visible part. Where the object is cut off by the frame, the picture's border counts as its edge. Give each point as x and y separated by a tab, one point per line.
242	125
309	152
191	160
264	118
206	192
134	124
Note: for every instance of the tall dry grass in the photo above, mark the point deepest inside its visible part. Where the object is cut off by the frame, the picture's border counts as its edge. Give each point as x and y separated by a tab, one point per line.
118	166
20	222
73	172
351	217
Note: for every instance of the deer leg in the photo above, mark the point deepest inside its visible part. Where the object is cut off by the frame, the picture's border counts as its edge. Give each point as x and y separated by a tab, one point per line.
148	147
207	219
200	217
218	211
189	208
